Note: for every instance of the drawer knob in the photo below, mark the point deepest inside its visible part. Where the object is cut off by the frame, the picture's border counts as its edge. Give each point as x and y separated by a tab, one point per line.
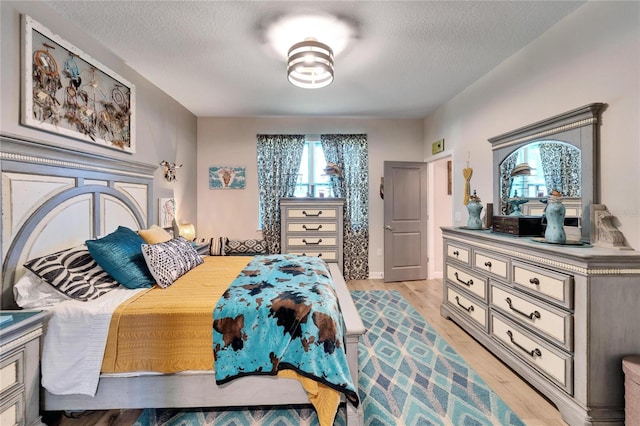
534	281
309	243
312	214
487	264
306	228
532	353
468	309
467	283
531	316
456	253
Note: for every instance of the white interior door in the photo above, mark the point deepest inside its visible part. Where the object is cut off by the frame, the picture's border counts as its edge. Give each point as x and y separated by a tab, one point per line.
405	221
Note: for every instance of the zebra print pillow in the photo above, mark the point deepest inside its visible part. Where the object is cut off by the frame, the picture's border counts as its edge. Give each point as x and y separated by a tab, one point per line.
74	273
169	261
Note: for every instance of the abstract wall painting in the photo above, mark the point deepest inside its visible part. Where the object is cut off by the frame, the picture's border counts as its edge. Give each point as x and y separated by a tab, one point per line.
166	212
67	92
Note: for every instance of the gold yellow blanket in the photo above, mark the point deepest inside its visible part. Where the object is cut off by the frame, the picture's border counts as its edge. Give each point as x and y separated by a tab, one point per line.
170	330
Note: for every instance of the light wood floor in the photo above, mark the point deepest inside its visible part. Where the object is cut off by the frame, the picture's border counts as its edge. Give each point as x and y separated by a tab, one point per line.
426	297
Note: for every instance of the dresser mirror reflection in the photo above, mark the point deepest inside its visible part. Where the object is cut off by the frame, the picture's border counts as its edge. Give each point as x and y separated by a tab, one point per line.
559	153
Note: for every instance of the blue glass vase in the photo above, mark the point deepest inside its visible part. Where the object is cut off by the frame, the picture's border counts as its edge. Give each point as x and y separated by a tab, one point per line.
554	213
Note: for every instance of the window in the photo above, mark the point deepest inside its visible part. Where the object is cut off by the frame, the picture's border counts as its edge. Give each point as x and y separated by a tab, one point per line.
533	185
312	180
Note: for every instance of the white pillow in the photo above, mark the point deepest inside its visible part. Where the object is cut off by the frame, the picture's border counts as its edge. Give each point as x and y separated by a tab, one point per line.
32	292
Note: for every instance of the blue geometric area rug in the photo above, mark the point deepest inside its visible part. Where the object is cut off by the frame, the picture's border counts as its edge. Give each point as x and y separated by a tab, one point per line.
409	375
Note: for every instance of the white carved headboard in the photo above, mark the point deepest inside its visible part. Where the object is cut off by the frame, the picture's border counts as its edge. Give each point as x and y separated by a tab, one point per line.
55	198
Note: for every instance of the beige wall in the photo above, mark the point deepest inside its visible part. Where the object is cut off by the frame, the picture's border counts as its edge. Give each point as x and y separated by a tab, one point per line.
165	129
439	212
593	55
232	141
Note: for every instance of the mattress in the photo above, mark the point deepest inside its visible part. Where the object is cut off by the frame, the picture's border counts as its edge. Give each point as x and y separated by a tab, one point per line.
76	333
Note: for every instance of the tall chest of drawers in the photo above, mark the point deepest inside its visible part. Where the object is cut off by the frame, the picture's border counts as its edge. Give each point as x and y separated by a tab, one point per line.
562	317
313	227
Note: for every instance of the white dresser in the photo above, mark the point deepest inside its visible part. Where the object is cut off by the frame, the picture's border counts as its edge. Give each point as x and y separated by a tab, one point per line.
313	227
20	367
562	317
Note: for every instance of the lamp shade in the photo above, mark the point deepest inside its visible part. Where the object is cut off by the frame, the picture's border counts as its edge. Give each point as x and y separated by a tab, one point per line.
521	169
310	64
187	231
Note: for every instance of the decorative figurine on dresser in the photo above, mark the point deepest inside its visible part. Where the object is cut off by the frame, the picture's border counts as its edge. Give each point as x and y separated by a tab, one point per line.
20	333
560	314
515	204
313	227
554	212
474	208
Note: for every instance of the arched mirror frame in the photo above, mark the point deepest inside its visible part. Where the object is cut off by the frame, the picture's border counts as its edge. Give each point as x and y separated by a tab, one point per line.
579	127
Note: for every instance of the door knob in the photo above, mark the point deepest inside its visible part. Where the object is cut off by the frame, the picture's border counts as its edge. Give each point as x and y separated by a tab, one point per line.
388	227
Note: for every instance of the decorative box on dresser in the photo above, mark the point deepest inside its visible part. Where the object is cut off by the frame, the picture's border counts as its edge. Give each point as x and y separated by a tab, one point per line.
20	333
562	317
313	227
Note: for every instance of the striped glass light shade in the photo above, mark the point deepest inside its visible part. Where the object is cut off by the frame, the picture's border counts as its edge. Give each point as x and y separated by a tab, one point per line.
310	64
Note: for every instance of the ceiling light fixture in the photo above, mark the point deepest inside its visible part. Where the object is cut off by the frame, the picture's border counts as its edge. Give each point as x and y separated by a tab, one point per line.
310	64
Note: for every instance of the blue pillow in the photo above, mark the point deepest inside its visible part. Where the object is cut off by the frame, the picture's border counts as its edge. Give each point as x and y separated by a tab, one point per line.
120	254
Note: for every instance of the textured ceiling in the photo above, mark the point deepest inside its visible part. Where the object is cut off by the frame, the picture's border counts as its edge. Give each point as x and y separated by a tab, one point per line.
401	59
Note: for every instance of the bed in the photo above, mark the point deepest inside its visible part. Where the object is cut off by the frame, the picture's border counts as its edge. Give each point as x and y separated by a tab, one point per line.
44	188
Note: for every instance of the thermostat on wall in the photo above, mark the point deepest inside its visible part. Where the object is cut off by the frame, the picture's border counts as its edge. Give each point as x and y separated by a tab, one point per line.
437	146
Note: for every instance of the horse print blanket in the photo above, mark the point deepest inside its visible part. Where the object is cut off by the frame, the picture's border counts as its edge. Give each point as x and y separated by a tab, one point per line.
280	313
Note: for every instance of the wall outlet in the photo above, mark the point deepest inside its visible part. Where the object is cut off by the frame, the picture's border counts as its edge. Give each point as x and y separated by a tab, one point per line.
379	252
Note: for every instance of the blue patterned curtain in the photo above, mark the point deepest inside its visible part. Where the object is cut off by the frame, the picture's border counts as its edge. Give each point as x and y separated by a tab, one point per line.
351	154
278	162
562	167
506	181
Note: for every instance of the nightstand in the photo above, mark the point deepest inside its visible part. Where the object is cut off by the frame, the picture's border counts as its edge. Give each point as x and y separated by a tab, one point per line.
20	333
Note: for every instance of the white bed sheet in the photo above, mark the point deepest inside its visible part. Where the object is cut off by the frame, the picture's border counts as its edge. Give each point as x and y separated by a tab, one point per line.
74	341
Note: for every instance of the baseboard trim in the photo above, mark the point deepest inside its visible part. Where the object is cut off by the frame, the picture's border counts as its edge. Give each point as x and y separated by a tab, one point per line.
380	275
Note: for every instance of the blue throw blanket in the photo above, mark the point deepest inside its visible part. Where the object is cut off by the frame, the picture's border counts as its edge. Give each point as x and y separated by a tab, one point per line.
282	312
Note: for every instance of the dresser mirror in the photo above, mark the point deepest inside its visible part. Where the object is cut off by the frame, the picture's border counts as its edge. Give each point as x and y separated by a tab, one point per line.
559	153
